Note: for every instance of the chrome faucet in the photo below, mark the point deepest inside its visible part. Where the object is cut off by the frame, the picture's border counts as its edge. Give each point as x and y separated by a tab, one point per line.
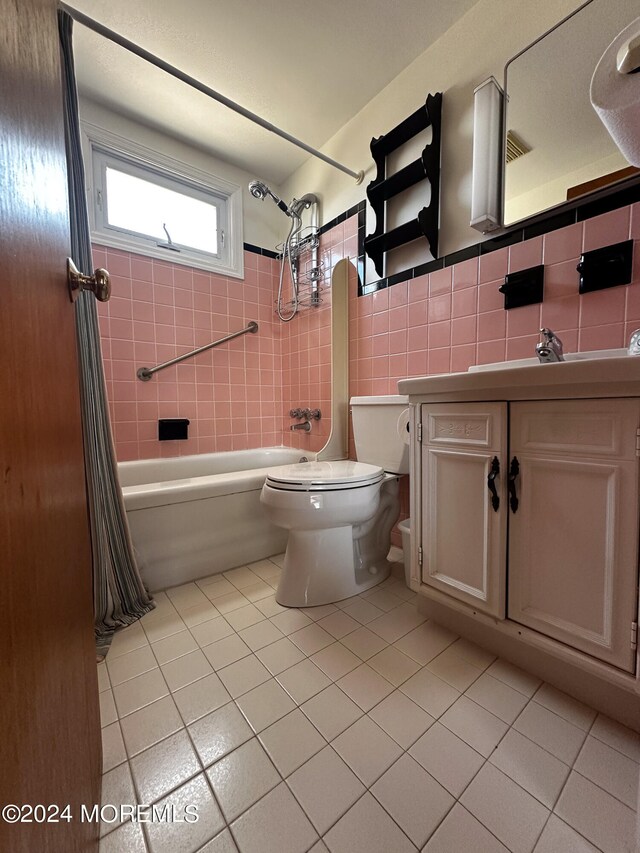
549	348
306	415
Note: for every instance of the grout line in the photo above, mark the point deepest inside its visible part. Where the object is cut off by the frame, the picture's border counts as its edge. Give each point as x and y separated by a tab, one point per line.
195	751
611	746
564	784
376	800
604	790
327	743
298	706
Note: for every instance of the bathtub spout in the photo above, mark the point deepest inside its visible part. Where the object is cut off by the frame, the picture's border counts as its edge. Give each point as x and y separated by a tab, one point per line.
305	427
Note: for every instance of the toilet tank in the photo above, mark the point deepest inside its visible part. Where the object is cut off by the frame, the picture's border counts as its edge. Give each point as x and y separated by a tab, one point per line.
380	430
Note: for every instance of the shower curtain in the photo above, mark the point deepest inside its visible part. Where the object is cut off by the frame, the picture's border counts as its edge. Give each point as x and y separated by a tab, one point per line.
119	596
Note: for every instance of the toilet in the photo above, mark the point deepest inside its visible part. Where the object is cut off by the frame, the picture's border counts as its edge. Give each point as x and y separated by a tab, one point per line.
339	514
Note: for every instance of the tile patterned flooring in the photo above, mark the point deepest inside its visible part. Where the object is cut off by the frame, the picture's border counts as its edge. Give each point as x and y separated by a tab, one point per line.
359	727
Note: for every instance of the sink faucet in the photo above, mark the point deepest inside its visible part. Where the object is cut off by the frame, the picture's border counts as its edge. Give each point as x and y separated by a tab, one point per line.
549	347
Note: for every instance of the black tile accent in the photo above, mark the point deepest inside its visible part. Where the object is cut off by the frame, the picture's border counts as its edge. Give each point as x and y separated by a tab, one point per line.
430	266
373	287
268	253
507	239
621	198
551	223
342	217
462	255
399	277
249	247
362	215
610	199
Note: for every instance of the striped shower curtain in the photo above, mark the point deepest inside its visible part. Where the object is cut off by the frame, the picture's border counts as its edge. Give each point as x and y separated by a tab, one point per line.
119	595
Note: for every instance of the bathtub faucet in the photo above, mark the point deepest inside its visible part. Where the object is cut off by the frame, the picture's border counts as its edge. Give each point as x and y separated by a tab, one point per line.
306	415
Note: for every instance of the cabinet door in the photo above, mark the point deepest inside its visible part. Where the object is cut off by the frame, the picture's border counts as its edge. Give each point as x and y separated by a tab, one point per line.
573	541
463	526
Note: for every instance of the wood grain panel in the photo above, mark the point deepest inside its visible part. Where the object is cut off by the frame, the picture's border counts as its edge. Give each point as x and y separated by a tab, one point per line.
50	748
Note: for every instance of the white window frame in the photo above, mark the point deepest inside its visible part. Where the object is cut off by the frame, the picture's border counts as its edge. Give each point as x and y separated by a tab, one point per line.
102	148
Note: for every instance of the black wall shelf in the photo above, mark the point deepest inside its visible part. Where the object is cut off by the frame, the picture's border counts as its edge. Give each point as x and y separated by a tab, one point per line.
383	188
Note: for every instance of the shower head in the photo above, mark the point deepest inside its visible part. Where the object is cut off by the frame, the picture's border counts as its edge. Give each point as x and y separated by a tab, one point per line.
260	190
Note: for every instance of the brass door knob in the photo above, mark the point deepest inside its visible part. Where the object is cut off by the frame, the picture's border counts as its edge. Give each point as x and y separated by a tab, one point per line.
99	283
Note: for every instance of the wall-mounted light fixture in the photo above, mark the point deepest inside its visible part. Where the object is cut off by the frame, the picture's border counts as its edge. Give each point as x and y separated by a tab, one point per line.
487	175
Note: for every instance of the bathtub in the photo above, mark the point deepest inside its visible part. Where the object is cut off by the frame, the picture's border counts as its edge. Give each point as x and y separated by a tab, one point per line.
193	516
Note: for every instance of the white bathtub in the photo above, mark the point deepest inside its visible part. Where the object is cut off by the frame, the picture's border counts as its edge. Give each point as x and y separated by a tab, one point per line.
192	516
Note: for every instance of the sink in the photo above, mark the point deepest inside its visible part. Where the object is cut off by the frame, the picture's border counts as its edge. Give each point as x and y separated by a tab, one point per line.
600	373
568	356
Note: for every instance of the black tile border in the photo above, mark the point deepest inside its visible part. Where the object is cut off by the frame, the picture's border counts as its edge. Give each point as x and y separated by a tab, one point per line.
360	208
462	255
509	238
552	223
621	198
609	199
268	253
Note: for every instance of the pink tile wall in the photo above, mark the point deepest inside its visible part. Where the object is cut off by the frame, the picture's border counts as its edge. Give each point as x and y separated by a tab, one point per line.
453	318
232	394
306	346
239	395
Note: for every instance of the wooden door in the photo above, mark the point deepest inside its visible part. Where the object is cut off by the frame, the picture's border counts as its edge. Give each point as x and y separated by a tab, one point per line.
463	525
573	542
50	745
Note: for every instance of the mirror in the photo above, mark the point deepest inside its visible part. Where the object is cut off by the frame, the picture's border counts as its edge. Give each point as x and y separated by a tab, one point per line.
550	113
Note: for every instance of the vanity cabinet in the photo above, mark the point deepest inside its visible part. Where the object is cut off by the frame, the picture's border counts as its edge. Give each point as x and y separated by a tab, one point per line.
464	449
529	512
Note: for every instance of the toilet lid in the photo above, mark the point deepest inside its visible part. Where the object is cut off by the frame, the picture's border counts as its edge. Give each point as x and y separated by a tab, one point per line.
344	474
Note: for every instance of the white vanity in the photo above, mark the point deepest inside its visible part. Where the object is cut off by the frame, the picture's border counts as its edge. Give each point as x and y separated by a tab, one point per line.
525	508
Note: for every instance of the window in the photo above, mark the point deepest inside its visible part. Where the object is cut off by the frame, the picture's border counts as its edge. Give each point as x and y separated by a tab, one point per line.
147	203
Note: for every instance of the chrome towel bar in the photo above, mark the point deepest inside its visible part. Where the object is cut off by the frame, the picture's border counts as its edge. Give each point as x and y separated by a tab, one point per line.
145	373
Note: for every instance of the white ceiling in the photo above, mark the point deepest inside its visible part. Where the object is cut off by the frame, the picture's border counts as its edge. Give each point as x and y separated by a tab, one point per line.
303	65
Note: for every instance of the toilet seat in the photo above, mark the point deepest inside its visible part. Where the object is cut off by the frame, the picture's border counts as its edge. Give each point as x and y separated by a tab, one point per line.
324	476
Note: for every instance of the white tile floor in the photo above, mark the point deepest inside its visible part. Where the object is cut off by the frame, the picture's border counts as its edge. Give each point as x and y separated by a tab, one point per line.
355	728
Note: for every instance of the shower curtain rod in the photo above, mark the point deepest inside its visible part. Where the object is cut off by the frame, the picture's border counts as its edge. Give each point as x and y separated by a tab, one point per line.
99	28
